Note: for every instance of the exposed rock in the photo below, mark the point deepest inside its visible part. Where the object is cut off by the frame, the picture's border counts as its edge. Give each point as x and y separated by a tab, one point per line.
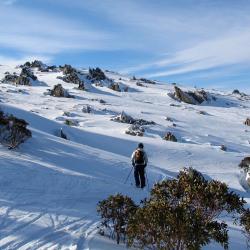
236	92
124	118
135	130
28	73
115	87
196	97
63	135
68	69
144	80
139	84
23	80
201	112
9	78
81	86
86	109
223	148
245	164
102	101
13	131
247	122
96	74
71	122
169	119
59	91
71	78
170	137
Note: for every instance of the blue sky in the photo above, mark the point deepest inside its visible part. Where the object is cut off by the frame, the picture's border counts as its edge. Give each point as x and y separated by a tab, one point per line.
202	43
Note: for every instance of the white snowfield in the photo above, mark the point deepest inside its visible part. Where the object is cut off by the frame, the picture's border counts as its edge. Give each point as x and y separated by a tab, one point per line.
49	187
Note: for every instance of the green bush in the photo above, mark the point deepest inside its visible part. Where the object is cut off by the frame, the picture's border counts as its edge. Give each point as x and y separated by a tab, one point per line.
115	212
180	214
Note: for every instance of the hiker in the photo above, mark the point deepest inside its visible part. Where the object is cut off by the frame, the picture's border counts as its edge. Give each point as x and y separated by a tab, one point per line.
139	161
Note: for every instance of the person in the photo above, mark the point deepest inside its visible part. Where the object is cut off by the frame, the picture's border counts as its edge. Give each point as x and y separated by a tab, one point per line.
139	161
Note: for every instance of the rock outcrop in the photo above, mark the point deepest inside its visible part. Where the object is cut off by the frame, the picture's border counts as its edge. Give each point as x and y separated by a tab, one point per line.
59	91
135	130
245	164
247	122
96	74
170	137
196	97
71	76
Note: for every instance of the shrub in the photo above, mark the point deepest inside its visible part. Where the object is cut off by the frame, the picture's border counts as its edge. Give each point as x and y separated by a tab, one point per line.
182	214
115	212
245	222
13	131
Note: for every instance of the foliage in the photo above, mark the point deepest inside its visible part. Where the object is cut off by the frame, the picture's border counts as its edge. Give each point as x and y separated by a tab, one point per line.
181	214
245	222
115	212
13	131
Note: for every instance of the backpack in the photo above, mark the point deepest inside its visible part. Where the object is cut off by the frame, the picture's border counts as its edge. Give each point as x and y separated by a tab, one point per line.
139	157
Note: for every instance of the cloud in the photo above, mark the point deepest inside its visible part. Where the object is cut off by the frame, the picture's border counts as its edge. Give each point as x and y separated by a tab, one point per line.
13	61
9	2
32	31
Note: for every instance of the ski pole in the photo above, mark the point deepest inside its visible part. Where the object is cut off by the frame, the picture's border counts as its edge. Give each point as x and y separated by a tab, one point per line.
147	179
128	175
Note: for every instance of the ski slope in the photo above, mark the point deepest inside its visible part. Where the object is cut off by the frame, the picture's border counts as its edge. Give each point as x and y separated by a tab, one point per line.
49	187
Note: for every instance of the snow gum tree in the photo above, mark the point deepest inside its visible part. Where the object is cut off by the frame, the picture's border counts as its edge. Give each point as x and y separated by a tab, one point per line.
180	214
184	213
115	212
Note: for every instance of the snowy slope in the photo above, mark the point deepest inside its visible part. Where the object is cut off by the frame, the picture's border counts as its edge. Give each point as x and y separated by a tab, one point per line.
49	187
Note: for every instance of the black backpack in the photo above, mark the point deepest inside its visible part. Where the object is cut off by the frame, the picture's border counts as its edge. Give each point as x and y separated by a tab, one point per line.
139	157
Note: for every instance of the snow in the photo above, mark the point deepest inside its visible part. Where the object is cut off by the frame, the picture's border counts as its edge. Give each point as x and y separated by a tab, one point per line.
49	187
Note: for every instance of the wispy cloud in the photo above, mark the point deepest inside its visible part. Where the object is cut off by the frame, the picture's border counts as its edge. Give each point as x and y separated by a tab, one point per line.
33	31
9	2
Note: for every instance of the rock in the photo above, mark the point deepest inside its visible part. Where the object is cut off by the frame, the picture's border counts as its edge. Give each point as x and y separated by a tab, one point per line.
115	87
144	80
96	74
59	91
189	97
135	130
81	86
223	148
9	78
169	119
28	73
23	80
63	135
247	122
71	122
86	109
139	84
68	69
201	112
72	78
124	118
245	164
170	137
236	92
102	101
